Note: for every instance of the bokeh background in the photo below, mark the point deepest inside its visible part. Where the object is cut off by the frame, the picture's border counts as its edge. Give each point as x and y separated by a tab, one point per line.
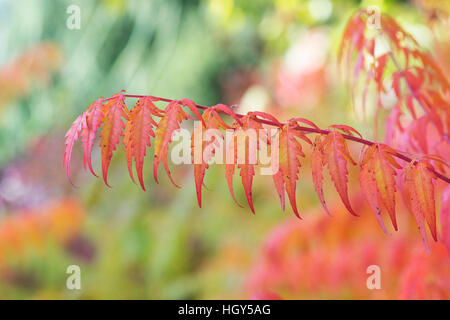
275	56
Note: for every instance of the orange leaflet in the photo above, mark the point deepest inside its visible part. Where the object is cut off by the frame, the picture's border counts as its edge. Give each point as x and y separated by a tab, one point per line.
199	168
243	147
170	122
378	181
138	130
418	189
289	153
336	155
370	192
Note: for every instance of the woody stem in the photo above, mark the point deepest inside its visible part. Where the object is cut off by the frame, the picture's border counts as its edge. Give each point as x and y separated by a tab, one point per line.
302	128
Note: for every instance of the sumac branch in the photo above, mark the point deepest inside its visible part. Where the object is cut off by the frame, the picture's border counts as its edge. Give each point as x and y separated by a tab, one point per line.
381	174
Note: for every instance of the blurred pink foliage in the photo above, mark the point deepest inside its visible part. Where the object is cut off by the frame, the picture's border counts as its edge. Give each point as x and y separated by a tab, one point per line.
294	266
300	77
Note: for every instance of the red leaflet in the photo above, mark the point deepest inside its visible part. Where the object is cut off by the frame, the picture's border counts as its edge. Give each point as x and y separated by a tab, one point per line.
267	116
191	105
336	155
231	160
94	120
173	116
353	37
246	139
227	110
210	120
278	181
138	130
72	136
247	172
317	160
380	65
113	112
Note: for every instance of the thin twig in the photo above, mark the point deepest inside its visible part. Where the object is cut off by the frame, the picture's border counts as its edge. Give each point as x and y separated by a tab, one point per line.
302	128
